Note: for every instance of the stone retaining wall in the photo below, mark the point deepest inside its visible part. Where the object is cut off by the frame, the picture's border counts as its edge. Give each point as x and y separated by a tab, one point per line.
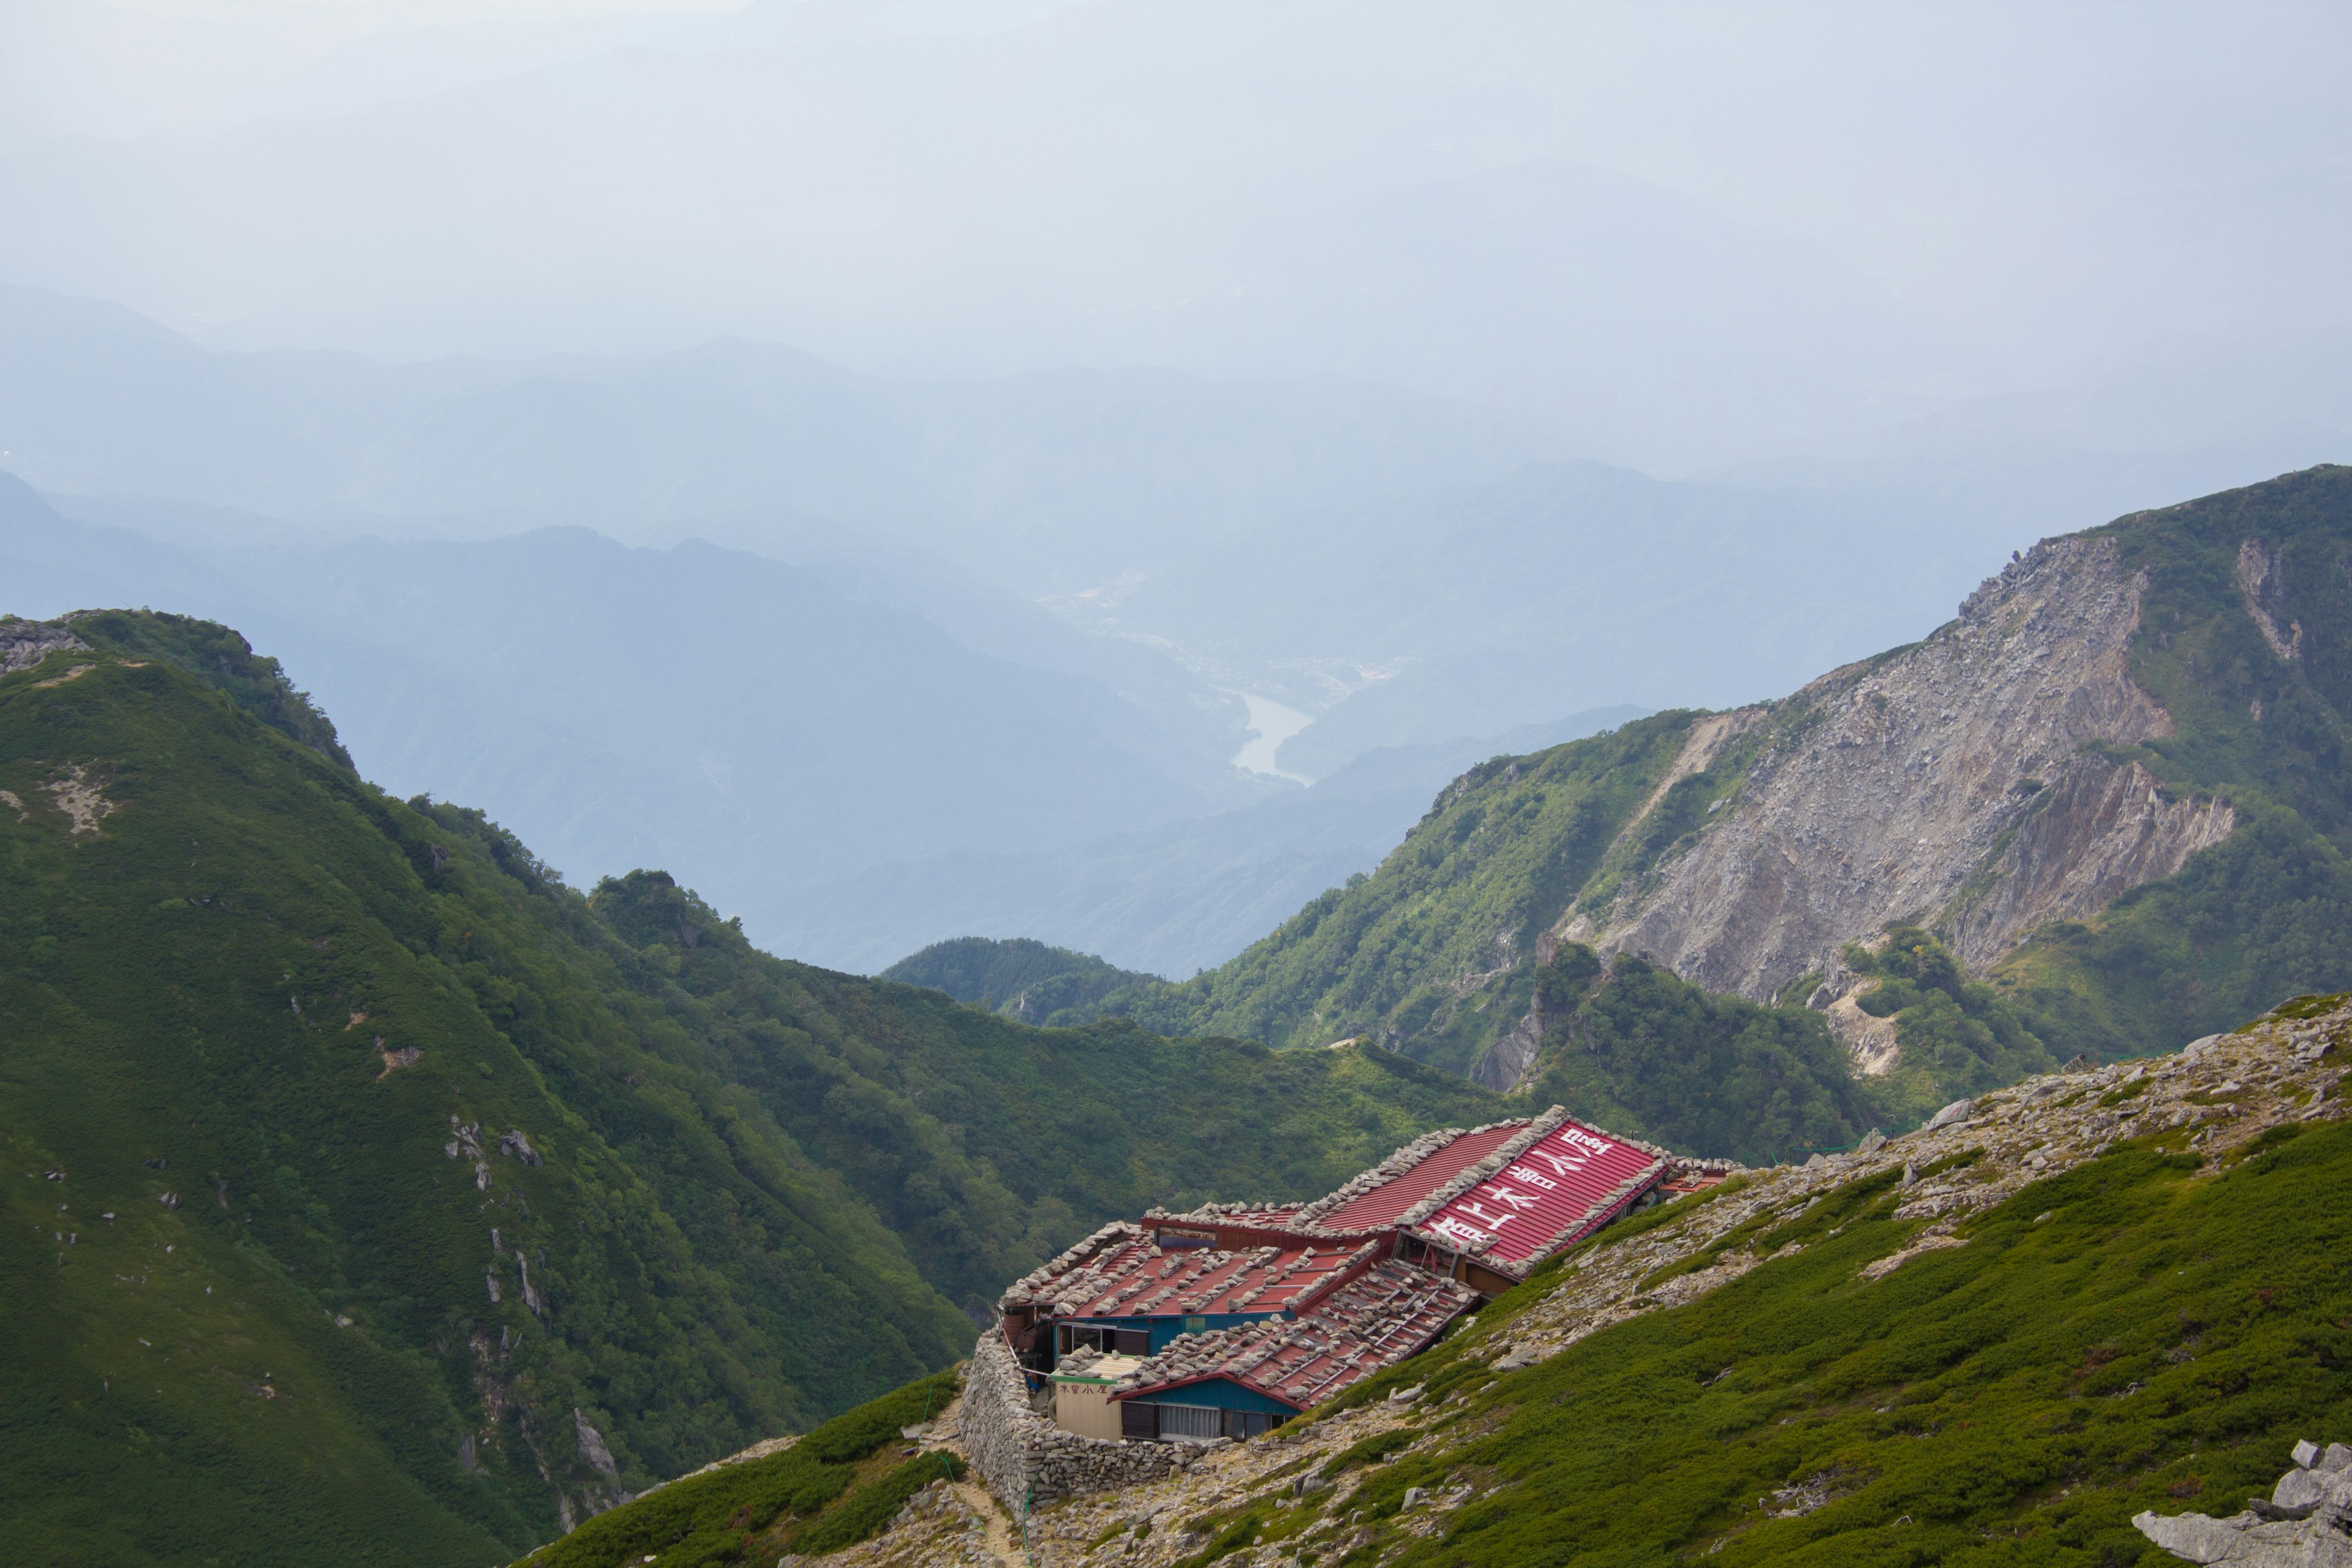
1021	1456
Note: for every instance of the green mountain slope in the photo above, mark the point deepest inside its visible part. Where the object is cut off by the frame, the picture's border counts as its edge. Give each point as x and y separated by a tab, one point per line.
1451	952
376	1198
2113	1292
2246	639
1424	957
1016	976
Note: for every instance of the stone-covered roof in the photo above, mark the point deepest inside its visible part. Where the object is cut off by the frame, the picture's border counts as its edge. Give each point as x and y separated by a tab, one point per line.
1129	1276
1375	1319
1263	1215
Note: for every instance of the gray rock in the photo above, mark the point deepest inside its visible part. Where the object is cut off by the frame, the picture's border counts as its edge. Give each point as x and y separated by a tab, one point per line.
2246	1542
1415	1496
1960	1110
2305	1451
2296	1489
591	1447
1872	1142
1520	1357
2337	1457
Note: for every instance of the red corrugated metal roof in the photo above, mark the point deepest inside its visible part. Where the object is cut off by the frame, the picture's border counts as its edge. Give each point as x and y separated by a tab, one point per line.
1387	1203
1569	1181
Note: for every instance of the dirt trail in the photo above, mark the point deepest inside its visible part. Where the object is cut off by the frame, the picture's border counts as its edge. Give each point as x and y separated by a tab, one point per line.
999	1538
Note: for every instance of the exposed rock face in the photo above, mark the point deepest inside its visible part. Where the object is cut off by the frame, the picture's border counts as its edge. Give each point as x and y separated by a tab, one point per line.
2106	829
2260	585
1502	1065
24	644
1945	781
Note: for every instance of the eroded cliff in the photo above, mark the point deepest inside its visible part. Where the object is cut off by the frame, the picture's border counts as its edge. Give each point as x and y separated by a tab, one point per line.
1963	780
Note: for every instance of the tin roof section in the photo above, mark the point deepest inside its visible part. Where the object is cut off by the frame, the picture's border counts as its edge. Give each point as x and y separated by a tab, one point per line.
1374	1320
1133	1277
1555	1190
1387	1201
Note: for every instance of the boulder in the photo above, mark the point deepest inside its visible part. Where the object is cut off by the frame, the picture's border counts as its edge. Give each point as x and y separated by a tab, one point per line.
2303	1524
1960	1110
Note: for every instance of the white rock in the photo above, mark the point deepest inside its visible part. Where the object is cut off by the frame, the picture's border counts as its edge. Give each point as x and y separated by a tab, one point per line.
1958	1111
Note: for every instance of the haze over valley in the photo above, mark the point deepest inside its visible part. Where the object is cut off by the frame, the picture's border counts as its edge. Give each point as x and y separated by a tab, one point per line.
1442	752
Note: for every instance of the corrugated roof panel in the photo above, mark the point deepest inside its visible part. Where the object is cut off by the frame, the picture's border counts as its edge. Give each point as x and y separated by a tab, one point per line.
1373	1320
1566	1181
1387	1203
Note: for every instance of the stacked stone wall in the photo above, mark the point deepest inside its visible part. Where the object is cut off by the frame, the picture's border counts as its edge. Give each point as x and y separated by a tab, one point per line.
1023	1457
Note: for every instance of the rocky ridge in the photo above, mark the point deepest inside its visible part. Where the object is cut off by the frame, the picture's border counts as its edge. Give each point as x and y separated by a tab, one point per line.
1970	1157
1960	778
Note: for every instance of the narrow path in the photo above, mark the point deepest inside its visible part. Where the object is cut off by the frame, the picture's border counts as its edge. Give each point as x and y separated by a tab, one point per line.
1000	1539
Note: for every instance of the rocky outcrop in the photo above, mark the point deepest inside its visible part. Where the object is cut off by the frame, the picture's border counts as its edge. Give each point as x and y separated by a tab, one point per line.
1958	779
2263	588
1505	1064
2306	1523
2104	828
24	644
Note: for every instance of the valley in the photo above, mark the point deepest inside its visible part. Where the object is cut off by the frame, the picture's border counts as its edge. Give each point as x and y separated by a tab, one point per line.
1101	783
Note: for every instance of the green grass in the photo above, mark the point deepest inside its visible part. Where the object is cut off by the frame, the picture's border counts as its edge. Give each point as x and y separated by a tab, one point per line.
2159	1342
808	1497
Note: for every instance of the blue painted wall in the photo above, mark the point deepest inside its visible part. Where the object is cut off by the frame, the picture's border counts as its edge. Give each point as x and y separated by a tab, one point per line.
1166	1330
1218	1394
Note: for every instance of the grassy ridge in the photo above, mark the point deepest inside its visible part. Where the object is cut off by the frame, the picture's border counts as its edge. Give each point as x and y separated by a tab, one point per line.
1017	976
2137	1332
814	1497
1501	856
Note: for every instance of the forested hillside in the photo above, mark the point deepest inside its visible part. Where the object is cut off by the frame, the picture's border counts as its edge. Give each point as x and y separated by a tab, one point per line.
376	1197
1022	978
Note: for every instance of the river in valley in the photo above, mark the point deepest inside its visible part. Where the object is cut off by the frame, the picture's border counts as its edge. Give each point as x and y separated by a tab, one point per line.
1271	723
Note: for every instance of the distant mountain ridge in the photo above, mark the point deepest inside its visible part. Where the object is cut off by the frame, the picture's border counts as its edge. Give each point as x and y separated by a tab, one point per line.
2113	787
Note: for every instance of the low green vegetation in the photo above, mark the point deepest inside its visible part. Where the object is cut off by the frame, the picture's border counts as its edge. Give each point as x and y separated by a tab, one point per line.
823	1493
1959	1036
2141	1331
223	660
1018	977
1500	856
360	1173
1636	1048
2261	720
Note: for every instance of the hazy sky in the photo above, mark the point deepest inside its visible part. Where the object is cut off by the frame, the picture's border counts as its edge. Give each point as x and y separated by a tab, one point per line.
1689	234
